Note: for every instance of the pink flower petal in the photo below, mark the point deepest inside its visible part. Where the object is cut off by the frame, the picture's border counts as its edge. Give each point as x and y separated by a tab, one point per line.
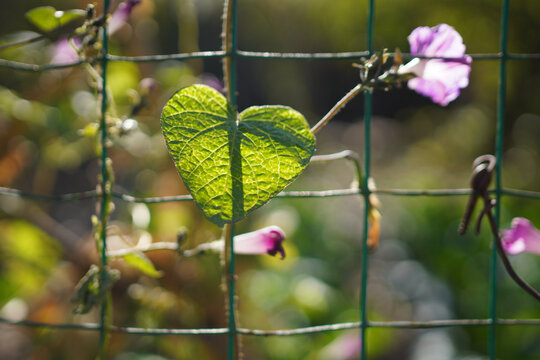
439	79
419	39
63	53
433	89
267	240
522	237
120	16
441	40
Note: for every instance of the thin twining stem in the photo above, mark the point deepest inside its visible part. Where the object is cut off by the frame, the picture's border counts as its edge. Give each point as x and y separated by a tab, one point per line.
345	154
227	44
340	105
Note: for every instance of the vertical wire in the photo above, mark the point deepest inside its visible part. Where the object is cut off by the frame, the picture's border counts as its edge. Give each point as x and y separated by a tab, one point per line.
232	348
367	157
233	344
501	104
105	194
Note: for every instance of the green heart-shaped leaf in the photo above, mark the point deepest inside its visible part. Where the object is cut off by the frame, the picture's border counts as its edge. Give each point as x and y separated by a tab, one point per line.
233	163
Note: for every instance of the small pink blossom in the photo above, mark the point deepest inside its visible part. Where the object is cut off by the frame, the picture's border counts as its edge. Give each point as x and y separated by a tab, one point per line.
439	79
347	346
147	85
120	16
64	53
522	237
268	240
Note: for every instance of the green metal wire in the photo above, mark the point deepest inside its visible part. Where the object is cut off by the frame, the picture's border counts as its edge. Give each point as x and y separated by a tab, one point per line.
364	269
232	331
501	104
92	194
367	168
16	65
433	324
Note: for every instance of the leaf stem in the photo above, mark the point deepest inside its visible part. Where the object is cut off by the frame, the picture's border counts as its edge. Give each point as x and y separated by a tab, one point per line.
340	105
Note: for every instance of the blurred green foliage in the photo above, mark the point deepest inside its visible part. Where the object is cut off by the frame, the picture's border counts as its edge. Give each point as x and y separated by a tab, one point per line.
422	269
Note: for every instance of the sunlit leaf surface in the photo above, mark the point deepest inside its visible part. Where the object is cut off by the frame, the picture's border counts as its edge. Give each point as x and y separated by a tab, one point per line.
233	163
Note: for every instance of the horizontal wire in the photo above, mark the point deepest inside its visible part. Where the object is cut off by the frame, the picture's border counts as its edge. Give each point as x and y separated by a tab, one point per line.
286	332
152	200
302	56
421	192
89	194
285	194
157	58
521	193
359	54
390	324
246	54
301	331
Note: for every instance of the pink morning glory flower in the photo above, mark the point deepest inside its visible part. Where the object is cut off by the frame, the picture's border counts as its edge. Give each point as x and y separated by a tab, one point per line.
268	240
522	237
439	79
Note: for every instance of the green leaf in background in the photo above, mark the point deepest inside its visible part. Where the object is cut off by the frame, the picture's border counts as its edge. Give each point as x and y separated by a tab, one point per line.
47	19
233	163
142	263
28	257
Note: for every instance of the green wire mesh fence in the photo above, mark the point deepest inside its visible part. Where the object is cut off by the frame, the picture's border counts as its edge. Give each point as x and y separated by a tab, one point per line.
234	54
